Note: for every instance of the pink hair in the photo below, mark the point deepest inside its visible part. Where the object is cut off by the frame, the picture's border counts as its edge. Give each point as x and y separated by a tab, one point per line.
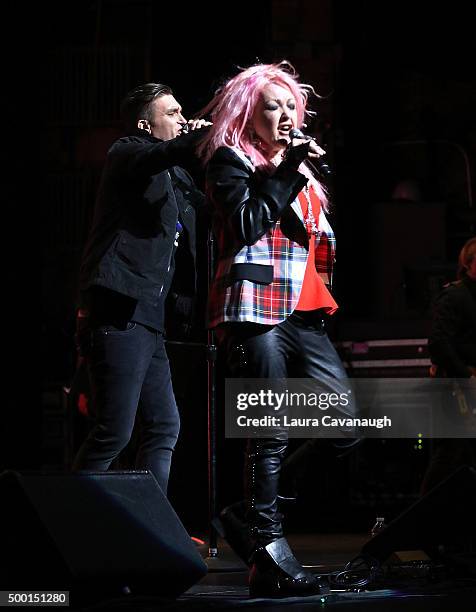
232	107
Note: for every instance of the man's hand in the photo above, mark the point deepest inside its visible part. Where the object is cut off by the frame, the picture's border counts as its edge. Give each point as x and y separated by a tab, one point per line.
194	124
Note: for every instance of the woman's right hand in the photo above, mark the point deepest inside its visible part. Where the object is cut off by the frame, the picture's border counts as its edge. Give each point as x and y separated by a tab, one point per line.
299	150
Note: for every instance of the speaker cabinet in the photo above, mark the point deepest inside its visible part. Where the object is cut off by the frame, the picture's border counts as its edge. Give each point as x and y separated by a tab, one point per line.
93	534
443	517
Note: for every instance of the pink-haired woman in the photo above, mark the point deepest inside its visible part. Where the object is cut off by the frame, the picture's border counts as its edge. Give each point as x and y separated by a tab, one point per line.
271	290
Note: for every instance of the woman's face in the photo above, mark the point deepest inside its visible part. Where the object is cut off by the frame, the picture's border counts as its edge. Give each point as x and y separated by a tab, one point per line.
275	114
471	269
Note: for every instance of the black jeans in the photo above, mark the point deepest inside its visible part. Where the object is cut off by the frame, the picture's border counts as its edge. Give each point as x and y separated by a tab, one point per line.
130	377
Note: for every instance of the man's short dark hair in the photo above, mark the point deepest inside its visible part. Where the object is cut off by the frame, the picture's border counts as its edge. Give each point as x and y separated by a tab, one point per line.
136	104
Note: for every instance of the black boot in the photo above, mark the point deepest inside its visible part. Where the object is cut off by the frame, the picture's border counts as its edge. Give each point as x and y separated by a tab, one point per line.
262	471
233	527
247	524
256	520
277	573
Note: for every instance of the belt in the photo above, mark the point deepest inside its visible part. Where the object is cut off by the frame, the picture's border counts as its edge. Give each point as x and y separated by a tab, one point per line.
310	318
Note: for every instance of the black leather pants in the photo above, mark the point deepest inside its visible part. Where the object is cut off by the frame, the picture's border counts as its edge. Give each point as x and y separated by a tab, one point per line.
297	347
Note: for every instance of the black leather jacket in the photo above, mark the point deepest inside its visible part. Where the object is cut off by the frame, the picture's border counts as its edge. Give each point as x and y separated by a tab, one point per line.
247	205
142	193
452	342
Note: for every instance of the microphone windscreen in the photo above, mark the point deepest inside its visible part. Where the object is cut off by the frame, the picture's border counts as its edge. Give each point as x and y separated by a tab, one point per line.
295	133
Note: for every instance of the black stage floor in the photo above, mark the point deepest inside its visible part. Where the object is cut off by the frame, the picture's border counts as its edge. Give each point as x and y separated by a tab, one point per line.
405	585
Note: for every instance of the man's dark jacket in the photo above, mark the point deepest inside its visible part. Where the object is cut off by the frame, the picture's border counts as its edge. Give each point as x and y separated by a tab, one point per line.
452	342
143	192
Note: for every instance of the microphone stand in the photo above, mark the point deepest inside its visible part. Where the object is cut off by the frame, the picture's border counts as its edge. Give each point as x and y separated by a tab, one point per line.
211	370
214	563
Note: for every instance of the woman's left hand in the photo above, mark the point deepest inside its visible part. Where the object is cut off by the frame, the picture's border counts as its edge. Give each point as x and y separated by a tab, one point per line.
315	151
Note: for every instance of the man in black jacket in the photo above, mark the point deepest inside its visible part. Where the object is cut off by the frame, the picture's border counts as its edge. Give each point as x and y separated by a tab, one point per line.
145	212
452	342
452	347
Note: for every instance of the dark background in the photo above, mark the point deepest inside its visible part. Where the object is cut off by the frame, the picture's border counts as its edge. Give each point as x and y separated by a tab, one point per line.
398	122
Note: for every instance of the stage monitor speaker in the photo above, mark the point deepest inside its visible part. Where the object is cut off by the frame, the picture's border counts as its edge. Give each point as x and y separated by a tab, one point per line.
94	534
443	517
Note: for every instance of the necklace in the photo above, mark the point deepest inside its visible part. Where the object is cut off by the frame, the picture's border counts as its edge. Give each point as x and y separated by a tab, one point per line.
309	219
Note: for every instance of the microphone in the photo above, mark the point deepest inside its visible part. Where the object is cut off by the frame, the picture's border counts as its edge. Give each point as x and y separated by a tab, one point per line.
320	165
296	133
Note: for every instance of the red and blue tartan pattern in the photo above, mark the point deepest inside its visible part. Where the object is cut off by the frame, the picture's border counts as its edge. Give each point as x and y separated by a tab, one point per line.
268	304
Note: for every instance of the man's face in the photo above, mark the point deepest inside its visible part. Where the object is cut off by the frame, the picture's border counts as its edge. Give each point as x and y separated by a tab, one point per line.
166	117
471	269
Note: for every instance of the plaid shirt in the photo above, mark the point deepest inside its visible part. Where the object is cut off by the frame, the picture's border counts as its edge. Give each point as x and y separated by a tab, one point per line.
268	303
